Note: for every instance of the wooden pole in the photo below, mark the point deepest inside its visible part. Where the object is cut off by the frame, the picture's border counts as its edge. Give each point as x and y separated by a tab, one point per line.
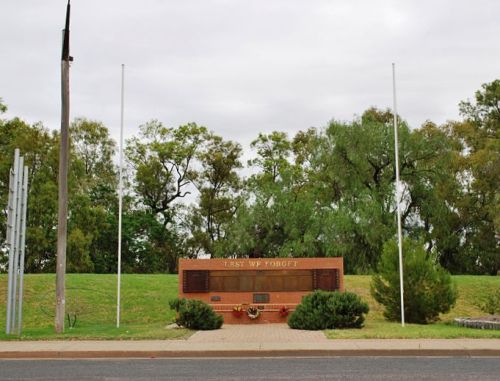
63	183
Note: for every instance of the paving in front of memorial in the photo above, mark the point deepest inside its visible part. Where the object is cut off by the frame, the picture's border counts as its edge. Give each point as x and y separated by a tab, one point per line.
258	333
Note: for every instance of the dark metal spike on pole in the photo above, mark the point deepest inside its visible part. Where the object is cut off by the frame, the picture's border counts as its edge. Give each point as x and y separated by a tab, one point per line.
63	182
65	48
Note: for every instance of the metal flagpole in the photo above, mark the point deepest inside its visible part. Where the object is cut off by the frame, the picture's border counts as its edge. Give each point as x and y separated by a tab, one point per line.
398	207
120	192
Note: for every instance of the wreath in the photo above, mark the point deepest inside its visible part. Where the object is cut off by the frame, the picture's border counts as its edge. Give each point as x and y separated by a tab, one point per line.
284	311
253	312
237	311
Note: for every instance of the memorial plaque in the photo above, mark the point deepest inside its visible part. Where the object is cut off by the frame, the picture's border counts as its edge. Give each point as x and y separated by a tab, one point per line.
272	284
261	298
195	281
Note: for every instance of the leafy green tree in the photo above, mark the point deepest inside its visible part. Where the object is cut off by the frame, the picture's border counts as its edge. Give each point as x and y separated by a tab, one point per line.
218	183
37	146
479	167
273	152
92	198
281	216
428	288
354	170
163	162
93	151
259	228
78	259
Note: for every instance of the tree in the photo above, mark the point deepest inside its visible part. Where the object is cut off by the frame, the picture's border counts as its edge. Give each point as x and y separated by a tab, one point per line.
428	289
466	230
479	138
93	202
93	151
163	160
281	216
273	151
218	184
39	149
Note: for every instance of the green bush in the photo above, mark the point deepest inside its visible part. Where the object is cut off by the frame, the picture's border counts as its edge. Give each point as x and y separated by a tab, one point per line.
428	288
195	314
489	302
329	310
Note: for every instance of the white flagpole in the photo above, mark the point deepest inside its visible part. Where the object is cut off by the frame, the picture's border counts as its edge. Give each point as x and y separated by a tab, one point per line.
120	192
396	154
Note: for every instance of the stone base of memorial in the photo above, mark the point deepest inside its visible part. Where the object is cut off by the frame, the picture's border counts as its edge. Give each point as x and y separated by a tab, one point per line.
266	290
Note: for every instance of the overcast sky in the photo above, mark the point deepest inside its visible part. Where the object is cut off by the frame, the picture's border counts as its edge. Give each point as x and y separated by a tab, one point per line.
241	67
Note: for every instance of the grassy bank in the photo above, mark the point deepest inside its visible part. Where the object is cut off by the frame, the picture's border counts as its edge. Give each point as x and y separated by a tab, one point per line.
145	312
469	288
91	298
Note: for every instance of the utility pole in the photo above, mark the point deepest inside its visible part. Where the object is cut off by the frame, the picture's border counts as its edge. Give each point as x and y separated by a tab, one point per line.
62	219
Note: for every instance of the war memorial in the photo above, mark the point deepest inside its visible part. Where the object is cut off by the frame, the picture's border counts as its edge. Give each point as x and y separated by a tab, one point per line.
263	290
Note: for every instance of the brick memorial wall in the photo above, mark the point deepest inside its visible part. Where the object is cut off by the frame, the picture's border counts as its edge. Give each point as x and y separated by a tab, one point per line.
268	284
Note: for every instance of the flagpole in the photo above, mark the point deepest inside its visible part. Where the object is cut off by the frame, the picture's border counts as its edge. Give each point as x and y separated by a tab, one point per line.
398	207
120	193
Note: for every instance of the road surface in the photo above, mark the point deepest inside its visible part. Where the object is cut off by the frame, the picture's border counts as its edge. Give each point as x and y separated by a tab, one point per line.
324	368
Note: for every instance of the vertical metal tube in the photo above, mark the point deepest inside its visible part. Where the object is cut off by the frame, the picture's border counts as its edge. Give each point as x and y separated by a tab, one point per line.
12	239
120	192
22	240
9	229
398	196
17	227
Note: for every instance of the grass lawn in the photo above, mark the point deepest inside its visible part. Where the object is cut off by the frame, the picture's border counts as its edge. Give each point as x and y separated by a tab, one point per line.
92	298
469	287
145	311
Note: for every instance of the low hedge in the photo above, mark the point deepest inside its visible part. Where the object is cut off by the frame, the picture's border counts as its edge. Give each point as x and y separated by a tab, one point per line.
195	314
329	310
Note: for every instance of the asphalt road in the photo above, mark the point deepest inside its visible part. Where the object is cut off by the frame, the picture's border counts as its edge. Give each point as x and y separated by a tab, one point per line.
329	368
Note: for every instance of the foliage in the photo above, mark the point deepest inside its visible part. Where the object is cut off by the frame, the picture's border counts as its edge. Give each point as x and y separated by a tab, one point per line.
163	160
428	288
195	314
489	302
37	146
478	169
323	192
3	106
218	184
329	310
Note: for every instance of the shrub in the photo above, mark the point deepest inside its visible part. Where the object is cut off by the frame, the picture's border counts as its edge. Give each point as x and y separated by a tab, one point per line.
490	302
329	310
428	289
195	314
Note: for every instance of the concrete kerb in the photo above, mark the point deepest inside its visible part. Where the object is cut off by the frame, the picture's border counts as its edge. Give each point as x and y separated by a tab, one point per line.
185	349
